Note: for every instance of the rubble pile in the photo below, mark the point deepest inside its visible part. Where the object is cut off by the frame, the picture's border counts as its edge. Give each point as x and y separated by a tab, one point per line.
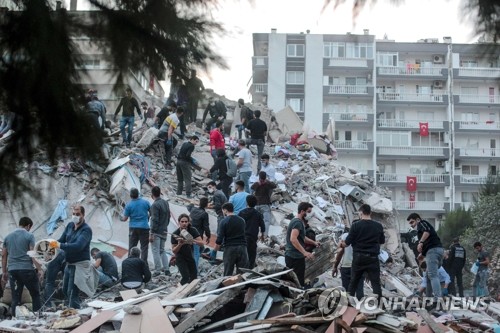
265	299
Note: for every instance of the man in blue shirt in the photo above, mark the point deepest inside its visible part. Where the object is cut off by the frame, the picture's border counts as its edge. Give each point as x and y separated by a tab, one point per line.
138	211
239	199
444	280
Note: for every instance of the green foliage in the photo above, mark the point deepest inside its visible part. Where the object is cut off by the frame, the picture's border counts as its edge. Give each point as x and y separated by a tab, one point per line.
38	65
492	185
455	224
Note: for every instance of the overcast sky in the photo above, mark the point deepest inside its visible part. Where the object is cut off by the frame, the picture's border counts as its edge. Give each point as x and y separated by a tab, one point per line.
404	23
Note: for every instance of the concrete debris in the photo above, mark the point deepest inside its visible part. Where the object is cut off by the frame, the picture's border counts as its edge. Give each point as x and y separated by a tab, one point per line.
265	299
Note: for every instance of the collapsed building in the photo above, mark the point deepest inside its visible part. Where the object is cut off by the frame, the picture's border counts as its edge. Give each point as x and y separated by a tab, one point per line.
265	299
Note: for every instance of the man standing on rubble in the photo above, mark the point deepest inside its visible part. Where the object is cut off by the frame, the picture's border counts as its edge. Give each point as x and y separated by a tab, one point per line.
231	235
220	166
183	167
456	258
166	133
258	133
365	236
218	199
239	198
263	190
244	164
429	246
199	221
129	103
19	268
480	284
295	253
195	91
253	222
137	210
217	139
160	218
268	168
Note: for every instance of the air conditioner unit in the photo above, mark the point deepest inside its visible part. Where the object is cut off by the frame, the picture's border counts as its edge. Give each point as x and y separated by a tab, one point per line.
440	163
438	59
356	194
438	84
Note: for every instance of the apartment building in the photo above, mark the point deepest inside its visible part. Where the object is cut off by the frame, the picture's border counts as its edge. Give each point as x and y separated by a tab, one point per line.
422	118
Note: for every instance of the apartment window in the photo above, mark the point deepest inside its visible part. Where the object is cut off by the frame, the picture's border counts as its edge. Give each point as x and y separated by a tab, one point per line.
422	169
297	104
427	115
469	90
470	170
348	135
260	61
362	136
295	50
468	63
426	196
333	50
387	59
470	116
337	136
393	138
470	196
295	77
359	50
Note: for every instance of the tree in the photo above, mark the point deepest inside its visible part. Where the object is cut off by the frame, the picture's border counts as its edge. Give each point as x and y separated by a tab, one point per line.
491	186
455	224
39	60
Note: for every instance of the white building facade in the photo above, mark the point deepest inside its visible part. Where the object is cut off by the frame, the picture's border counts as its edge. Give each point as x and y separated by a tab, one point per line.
422	118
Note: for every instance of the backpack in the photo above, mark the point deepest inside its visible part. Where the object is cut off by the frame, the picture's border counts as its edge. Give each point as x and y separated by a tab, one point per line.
249	115
231	167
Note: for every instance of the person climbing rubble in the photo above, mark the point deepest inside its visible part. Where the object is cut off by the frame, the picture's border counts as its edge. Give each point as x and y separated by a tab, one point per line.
444	280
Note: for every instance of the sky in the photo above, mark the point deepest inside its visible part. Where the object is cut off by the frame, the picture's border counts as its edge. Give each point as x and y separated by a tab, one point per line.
409	22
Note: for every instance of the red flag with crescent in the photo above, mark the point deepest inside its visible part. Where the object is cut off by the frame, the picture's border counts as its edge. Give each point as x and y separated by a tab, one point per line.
424	129
411	183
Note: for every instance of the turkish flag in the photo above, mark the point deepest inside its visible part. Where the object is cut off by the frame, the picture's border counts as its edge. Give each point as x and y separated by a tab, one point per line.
412	200
424	129
411	183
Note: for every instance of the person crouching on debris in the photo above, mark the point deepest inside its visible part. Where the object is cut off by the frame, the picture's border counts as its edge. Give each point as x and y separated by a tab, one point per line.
182	240
106	266
444	279
135	271
295	253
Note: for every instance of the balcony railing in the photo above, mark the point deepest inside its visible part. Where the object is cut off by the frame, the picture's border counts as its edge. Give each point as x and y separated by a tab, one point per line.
401	178
352	145
479	152
409	70
344	116
348	89
479	72
419	205
411	151
406	97
479	99
348	62
260	87
410	124
473	179
488	125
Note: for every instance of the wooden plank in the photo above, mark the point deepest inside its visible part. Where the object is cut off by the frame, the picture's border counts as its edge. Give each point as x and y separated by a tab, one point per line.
225	321
182	301
173	319
186	290
154	319
257	301
301	329
128	294
205	309
95	322
131	323
427	318
265	308
292	321
140	299
349	315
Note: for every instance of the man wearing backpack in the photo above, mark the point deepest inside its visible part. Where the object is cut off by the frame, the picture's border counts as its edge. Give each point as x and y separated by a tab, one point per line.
245	116
226	169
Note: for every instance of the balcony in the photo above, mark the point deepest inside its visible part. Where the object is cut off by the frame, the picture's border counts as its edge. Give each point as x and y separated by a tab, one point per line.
260	62
470	180
432	152
410	124
362	147
475	72
411	97
436	72
476	99
487	153
399	178
260	88
438	206
349	62
487	125
348	117
347	90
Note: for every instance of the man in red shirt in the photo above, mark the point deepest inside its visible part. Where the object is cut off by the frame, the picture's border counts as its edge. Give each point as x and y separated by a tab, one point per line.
217	139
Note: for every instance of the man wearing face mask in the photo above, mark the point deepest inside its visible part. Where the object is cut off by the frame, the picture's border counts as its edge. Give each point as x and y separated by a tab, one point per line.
79	275
295	253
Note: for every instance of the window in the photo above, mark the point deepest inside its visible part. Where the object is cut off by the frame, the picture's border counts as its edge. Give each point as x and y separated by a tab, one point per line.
337	136
348	135
468	63
260	61
470	170
333	50
470	196
387	59
359	50
426	196
422	169
295	77
393	138
469	90
297	104
362	136
470	116
295	50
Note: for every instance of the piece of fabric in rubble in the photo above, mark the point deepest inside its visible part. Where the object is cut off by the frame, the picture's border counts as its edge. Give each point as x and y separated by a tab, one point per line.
59	213
86	277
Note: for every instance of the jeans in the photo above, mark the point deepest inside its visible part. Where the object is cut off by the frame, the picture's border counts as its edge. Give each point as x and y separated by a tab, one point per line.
53	268
299	267
260	149
184	174
234	256
434	260
196	254
104	280
241	129
252	251
265	210
124	121
169	150
345	276
71	291
480	284
245	177
365	263
134	236
19	279
456	272
159	255
187	269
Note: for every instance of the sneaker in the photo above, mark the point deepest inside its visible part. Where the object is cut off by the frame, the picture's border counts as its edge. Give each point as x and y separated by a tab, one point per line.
155	273
167	272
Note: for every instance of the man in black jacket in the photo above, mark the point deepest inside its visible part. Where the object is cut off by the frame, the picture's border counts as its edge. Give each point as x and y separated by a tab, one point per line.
217	110
135	271
258	132
129	103
456	258
184	163
221	166
199	221
253	222
160	218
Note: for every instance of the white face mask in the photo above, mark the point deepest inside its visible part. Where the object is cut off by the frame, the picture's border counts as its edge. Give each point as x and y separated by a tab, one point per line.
211	190
75	219
308	216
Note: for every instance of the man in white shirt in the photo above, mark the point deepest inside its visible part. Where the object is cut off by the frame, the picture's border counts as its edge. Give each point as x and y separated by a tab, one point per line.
268	168
244	164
